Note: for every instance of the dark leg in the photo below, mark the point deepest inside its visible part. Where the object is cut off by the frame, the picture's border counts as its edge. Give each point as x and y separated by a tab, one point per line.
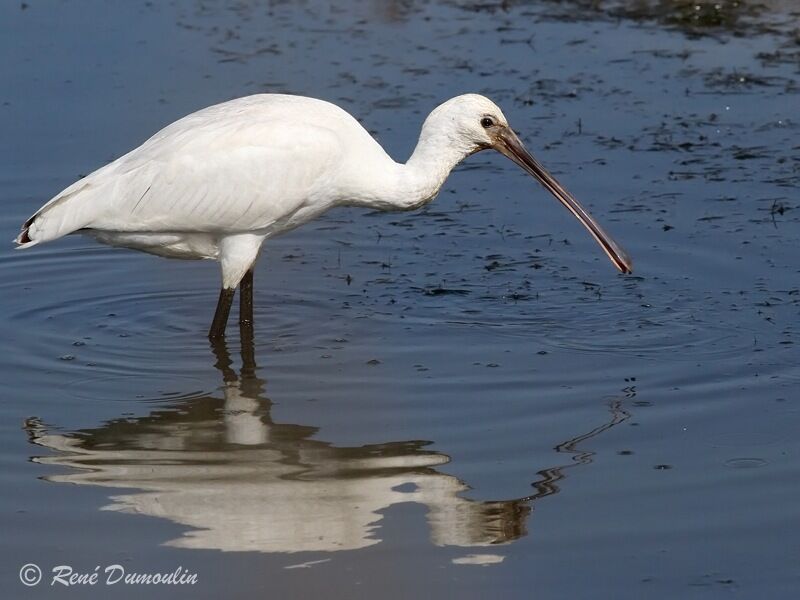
248	351
246	325
221	314
246	299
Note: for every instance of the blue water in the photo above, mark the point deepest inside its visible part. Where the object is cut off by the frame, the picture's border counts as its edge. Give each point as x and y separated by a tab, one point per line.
463	401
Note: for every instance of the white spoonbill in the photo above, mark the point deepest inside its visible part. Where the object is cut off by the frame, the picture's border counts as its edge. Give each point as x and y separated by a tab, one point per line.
218	182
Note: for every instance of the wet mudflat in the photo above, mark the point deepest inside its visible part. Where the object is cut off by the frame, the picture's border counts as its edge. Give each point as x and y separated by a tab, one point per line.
466	400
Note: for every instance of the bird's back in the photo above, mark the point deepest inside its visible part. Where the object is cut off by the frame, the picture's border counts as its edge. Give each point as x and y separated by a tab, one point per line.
261	163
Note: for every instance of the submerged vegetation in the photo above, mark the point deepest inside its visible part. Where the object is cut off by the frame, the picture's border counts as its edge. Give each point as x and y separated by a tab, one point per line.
694	17
701	16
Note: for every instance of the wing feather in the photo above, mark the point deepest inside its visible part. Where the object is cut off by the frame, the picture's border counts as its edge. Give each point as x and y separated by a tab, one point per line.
224	185
245	165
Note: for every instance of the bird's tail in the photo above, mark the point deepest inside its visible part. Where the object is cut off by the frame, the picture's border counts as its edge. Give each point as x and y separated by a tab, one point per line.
64	214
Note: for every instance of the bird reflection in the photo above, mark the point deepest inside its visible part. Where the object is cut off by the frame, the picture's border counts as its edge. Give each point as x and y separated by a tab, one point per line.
242	482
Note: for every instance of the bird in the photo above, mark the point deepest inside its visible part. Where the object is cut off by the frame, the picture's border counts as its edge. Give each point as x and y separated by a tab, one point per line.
218	182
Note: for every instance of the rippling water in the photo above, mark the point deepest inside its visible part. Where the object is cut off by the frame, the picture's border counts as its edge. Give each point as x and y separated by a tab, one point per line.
466	400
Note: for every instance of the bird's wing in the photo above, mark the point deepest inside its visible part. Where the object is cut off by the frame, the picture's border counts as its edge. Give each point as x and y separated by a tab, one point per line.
224	181
225	176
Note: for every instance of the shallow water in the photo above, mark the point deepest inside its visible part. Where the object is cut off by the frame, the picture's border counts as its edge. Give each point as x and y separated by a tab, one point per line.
463	400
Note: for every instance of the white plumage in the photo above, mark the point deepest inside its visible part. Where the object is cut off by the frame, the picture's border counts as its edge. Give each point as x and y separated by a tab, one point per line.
217	182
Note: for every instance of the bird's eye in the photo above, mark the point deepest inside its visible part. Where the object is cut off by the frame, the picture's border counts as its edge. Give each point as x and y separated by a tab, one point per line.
487	122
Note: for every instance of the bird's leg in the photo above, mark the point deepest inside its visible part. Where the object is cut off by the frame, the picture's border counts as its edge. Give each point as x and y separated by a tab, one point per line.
221	314
246	325
248	351
246	299
237	254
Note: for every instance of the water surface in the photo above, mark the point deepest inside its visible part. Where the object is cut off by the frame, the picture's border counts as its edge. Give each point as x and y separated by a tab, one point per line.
466	400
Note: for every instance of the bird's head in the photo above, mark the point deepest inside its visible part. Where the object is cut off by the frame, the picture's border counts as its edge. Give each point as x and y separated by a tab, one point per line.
471	123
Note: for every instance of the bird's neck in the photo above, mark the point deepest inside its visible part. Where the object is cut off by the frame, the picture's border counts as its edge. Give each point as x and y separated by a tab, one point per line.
417	182
434	157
